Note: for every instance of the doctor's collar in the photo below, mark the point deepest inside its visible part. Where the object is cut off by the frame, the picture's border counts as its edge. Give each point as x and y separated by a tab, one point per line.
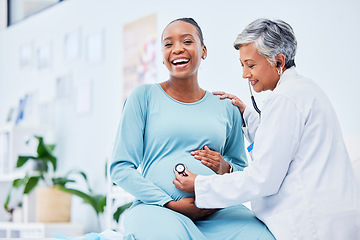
285	74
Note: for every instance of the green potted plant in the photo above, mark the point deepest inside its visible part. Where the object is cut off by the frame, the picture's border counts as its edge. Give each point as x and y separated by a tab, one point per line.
45	166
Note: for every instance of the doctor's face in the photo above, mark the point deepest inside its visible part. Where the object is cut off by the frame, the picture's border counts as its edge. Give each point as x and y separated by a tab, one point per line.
257	69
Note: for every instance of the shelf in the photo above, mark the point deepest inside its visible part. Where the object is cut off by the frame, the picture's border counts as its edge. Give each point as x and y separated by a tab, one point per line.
27	128
13	142
9	177
40	230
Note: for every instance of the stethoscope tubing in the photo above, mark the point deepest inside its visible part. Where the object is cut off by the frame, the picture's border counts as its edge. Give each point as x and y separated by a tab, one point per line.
253	100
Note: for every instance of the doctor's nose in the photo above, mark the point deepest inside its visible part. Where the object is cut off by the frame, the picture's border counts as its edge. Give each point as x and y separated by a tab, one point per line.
246	74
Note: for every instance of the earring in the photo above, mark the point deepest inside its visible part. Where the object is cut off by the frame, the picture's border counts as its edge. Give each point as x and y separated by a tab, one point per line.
280	72
204	57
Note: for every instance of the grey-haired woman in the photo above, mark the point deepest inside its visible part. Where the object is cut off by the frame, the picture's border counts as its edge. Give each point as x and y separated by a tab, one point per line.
300	183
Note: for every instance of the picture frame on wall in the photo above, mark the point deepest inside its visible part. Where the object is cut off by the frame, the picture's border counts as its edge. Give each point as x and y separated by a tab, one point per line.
63	86
26	54
72	41
83	98
44	56
95	47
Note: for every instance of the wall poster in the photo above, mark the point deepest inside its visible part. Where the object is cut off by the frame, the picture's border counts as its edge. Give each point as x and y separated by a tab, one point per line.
139	48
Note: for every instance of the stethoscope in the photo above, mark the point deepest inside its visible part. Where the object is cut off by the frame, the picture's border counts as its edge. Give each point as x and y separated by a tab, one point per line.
253	100
180	168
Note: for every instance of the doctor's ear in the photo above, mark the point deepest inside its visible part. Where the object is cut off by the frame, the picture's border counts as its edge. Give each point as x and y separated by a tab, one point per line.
280	60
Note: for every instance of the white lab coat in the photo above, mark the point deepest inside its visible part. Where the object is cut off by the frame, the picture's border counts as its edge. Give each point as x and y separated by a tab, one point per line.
300	183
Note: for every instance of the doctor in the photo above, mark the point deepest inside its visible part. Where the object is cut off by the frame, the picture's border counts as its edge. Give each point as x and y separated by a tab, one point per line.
300	182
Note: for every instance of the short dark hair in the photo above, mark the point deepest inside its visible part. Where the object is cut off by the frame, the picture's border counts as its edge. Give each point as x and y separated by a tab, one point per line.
194	23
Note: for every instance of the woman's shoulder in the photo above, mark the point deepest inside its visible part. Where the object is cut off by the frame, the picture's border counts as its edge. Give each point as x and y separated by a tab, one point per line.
223	104
143	88
142	91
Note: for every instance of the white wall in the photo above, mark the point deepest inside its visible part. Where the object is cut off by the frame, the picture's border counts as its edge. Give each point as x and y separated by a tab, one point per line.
3	14
328	50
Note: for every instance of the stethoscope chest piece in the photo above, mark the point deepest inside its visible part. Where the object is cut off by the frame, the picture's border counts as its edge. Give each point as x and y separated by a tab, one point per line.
180	168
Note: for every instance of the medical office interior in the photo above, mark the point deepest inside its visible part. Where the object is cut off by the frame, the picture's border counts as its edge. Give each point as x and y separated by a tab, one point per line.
67	66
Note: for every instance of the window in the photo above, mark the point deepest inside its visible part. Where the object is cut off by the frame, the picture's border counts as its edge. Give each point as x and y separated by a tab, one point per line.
21	9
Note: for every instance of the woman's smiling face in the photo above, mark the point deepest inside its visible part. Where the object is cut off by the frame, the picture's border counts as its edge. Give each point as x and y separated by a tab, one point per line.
257	69
182	49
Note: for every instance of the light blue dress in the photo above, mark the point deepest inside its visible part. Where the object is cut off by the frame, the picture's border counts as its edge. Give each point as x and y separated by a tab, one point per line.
156	132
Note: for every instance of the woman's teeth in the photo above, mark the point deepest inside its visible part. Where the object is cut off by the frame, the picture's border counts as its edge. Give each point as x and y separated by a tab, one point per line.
180	61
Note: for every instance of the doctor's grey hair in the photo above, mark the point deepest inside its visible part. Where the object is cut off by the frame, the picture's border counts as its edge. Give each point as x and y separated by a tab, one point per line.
270	38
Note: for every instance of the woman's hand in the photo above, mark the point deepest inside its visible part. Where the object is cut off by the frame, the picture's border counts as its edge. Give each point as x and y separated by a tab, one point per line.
187	207
234	99
212	159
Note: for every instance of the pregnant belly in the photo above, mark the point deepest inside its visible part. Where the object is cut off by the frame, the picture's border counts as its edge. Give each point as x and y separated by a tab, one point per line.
161	173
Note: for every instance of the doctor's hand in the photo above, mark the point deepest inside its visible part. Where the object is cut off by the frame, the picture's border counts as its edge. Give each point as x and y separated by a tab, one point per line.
187	207
185	183
212	159
234	100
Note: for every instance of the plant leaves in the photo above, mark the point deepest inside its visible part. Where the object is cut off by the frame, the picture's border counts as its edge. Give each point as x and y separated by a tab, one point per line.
83	175
18	182
45	152
41	164
120	210
22	160
6	204
98	202
51	146
86	180
53	161
85	197
31	183
45	156
61	181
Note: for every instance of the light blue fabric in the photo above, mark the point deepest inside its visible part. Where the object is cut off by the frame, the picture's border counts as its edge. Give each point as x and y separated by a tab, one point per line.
155	133
105	235
89	236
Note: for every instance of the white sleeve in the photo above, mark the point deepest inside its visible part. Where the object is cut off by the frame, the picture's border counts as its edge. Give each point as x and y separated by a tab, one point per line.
276	142
252	121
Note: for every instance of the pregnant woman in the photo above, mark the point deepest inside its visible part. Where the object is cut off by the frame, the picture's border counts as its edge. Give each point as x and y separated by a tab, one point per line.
160	127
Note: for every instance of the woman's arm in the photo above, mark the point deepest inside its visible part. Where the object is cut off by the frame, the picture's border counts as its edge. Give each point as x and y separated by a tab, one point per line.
128	151
187	207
